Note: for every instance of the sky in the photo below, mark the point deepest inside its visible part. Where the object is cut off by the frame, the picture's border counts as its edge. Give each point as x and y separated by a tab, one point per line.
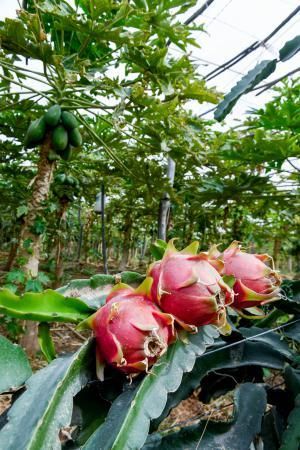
230	26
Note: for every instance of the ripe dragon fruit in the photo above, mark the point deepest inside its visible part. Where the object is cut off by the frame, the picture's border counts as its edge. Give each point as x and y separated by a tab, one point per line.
131	332
255	282
187	285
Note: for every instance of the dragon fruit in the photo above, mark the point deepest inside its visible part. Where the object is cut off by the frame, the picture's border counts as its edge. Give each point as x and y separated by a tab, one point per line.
188	286
255	282
131	331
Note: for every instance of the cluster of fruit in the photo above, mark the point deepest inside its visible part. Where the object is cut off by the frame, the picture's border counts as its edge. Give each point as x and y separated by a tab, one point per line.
62	126
185	290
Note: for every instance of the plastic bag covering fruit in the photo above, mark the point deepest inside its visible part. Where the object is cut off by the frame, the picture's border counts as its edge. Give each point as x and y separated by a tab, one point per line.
255	282
131	332
75	137
187	285
59	138
35	133
69	121
52	116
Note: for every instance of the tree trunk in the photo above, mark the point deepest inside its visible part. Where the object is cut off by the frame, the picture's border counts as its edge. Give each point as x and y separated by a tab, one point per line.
59	268
12	255
127	238
276	251
164	204
40	193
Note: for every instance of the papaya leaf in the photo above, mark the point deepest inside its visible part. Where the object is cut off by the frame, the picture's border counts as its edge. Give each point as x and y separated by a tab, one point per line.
236	434
223	357
93	291
14	365
47	306
128	420
248	82
289	49
46	405
291	436
45	341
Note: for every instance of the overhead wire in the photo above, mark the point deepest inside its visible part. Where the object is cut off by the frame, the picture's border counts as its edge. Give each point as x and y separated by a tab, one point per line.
251	48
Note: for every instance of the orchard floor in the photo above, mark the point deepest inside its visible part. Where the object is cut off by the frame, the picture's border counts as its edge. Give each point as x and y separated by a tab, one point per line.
67	339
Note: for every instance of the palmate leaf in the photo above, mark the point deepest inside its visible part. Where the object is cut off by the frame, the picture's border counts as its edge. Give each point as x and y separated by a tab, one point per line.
37	416
47	306
93	291
251	79
208	435
128	420
14	366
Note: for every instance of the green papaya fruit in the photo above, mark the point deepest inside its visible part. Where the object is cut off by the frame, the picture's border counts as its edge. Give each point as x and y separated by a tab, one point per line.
69	121
59	138
75	137
66	154
52	155
52	116
35	133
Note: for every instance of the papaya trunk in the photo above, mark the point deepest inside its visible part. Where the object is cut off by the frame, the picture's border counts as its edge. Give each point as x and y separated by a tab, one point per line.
31	253
61	218
276	251
126	242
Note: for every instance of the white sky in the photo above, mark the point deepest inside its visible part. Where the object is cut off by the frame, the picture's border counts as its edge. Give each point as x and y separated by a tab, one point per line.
232	25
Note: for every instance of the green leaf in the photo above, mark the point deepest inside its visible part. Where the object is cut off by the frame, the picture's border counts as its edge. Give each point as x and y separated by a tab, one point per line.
291	436
15	276
127	423
157	249
22	211
47	306
289	49
37	416
45	341
290	298
223	357
237	434
93	291
33	286
14	365
251	79
90	410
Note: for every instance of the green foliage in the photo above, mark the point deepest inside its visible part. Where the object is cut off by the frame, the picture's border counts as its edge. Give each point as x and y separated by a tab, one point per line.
236	434
47	306
14	366
158	249
45	342
49	398
248	82
128	420
289	49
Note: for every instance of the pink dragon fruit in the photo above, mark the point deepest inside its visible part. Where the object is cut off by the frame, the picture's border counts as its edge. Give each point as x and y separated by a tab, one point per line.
187	285
131	332
255	282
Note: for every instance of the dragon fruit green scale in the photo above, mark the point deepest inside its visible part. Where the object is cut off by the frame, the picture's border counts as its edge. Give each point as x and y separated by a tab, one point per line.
188	286
130	330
